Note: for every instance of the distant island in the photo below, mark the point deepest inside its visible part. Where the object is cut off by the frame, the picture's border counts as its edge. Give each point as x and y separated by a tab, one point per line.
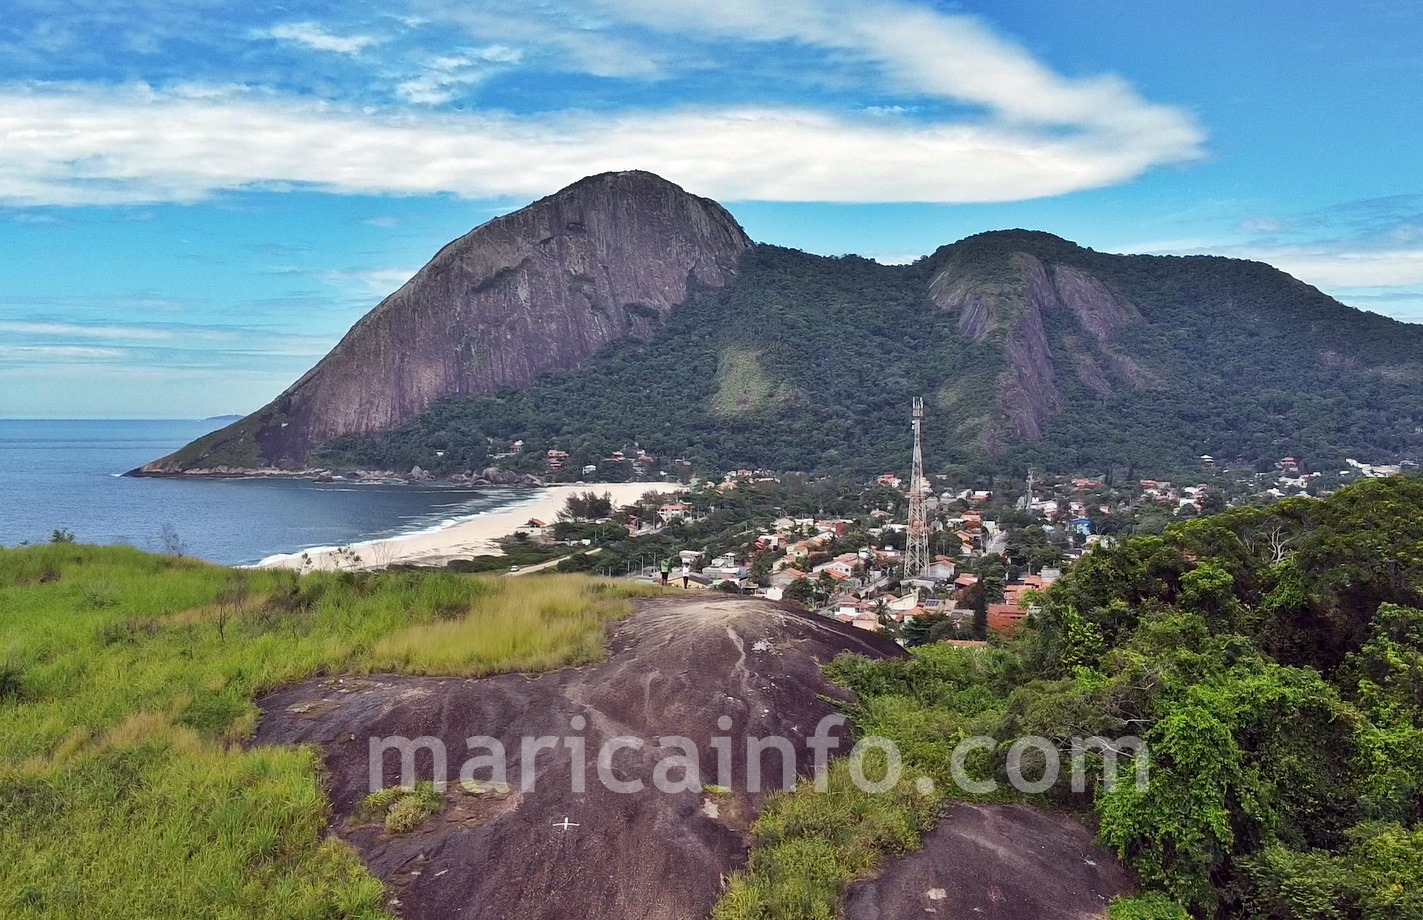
223	418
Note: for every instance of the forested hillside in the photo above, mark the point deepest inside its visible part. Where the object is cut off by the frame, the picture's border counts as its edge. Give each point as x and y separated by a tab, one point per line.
1027	348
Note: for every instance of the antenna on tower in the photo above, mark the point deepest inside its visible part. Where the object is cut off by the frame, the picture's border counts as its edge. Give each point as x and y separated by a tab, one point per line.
916	550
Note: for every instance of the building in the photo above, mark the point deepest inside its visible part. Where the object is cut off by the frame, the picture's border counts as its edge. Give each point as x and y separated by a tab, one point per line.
1005	619
673	511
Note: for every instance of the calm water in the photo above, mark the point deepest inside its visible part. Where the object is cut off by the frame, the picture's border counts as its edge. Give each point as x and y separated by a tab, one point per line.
64	474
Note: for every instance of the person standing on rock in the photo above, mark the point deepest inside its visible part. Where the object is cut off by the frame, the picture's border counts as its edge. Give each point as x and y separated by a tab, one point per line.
666	570
686	574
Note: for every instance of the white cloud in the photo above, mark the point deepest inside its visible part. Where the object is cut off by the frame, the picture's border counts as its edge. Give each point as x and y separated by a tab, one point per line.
570	39
1343	268
924	50
377	281
76	145
76	331
314	36
444	77
59	351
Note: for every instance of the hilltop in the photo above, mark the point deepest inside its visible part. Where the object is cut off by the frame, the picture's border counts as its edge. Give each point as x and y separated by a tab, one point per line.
623	313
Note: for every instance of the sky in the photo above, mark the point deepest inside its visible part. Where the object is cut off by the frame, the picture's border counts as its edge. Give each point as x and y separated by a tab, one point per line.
199	197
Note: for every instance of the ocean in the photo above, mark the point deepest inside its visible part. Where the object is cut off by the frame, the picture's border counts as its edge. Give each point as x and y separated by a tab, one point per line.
66	475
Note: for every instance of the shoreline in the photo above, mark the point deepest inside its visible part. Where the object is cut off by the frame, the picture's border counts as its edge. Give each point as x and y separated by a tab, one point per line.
473	536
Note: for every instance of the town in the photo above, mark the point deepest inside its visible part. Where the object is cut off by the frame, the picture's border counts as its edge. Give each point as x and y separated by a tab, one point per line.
964	566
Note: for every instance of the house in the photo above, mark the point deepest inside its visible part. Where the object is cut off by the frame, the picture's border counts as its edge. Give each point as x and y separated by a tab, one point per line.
726	569
1081	526
673	511
942	567
803	548
556	459
836	569
1005	619
889	479
864	620
785	577
965	581
535	529
851	606
903	604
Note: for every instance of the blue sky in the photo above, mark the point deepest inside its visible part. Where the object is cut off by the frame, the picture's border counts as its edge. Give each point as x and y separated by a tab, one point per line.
197	197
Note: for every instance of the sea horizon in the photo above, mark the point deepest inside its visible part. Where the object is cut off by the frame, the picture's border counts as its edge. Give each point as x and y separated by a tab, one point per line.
61	474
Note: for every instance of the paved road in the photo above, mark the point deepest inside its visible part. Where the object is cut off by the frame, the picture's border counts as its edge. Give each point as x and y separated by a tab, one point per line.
524	570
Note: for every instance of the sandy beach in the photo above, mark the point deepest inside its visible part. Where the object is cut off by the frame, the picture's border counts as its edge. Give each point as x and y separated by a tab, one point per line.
476	536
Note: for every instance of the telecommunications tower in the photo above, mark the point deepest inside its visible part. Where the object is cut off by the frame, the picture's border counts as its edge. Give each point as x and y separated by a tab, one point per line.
916	548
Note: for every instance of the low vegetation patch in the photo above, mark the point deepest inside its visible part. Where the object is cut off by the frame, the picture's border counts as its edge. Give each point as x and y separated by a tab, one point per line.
401	809
124	788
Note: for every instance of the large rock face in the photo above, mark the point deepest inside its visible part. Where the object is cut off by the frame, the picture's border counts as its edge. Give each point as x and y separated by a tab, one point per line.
1008	300
541	289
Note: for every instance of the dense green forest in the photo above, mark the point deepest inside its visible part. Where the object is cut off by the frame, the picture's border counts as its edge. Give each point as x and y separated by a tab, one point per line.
1271	659
808	363
802	365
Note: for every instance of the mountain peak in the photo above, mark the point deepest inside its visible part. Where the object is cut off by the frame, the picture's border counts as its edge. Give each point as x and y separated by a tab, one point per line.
540	289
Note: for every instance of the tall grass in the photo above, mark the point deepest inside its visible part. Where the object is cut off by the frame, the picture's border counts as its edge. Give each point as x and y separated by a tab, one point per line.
524	624
129	682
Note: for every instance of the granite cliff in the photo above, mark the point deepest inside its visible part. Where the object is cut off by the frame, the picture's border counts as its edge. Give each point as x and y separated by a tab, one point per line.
541	289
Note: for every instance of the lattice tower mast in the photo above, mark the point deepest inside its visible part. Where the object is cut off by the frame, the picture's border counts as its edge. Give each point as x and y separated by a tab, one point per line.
916	550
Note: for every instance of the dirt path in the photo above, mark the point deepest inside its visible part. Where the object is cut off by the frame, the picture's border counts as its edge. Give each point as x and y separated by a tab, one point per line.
675	667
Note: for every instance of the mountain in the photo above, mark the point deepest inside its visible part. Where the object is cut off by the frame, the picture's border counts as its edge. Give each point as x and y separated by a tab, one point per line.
623	312
539	290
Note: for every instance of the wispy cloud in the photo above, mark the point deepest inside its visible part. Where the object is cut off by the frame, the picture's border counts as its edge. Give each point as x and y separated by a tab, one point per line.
1340	267
315	36
1368	253
444	77
77	331
41	352
920	49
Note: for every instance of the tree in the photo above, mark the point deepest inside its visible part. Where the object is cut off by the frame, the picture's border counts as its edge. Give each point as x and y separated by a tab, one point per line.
979	598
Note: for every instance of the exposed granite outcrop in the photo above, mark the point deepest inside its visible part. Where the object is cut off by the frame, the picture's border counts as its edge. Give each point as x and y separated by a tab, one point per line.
1008	304
543	288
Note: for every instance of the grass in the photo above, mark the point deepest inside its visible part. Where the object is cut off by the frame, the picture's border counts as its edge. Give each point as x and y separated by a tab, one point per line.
808	846
743	387
401	809
127	683
530	623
